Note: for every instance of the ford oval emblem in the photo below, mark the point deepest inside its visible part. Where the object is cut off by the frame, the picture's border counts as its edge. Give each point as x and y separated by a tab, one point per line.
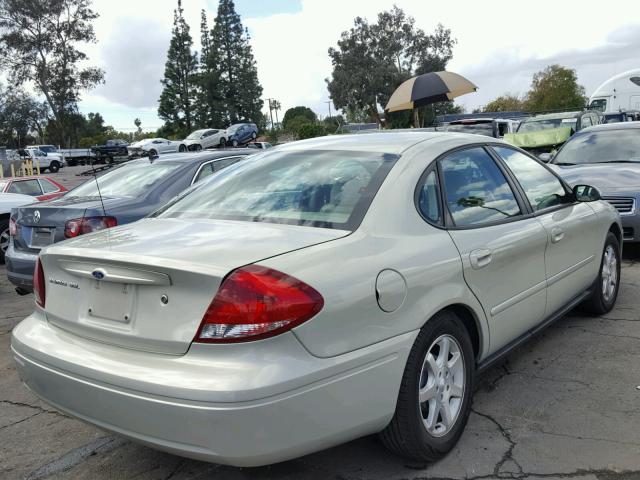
98	274
36	216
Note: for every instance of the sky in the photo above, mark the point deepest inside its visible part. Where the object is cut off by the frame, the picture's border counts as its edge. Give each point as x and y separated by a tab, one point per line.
498	47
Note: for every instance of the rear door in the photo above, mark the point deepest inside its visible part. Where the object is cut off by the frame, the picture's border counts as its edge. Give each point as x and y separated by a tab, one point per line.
501	244
571	257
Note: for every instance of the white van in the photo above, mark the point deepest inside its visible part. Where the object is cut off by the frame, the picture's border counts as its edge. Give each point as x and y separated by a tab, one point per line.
620	92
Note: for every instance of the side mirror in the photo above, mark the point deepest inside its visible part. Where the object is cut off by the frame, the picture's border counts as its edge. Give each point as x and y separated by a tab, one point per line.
545	157
586	193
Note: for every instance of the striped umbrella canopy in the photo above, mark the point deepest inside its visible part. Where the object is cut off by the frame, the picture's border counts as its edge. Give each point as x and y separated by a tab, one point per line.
428	88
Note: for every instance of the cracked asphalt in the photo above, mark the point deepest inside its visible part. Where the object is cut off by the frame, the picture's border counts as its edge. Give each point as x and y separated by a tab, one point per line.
565	405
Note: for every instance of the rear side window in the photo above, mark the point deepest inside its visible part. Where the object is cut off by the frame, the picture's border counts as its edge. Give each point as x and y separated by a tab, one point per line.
204	172
317	188
429	198
47	186
542	188
476	190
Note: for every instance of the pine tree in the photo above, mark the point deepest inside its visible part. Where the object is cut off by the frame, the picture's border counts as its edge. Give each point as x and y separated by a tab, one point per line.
233	78
176	104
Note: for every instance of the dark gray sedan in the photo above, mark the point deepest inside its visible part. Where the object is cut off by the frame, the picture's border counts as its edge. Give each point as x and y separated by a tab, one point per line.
125	194
607	157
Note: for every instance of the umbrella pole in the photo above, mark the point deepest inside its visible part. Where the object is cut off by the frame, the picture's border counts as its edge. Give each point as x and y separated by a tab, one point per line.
416	118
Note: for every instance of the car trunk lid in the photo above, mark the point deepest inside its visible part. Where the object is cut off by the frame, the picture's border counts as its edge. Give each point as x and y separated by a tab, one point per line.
147	286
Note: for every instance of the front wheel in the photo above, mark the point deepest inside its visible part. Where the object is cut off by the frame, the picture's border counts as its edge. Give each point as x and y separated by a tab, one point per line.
234	142
253	136
4	238
54	167
153	153
435	394
182	148
606	286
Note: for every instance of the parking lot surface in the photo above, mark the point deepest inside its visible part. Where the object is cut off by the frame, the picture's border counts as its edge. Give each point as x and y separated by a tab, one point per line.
565	405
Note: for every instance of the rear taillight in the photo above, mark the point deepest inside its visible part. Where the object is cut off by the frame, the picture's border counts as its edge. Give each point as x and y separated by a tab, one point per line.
80	226
256	302
39	288
13	228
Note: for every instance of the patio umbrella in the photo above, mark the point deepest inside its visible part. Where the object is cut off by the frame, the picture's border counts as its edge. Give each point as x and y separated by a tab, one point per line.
428	88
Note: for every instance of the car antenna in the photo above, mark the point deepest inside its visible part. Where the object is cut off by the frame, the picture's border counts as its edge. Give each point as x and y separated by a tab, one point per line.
95	177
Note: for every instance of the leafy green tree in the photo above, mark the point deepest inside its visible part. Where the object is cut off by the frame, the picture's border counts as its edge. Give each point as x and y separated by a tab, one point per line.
176	104
332	123
210	109
303	112
22	117
311	130
39	44
372	59
230	73
555	87
505	103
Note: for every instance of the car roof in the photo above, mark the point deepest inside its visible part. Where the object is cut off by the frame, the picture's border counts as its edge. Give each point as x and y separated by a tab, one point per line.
553	116
27	177
384	141
201	156
611	126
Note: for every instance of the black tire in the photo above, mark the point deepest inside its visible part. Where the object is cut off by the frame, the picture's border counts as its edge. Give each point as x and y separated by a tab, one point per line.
407	434
254	136
197	147
223	143
153	153
54	167
182	148
4	237
234	143
109	160
598	303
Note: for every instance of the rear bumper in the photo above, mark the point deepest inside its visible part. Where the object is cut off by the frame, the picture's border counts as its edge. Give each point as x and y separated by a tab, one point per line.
20	266
243	405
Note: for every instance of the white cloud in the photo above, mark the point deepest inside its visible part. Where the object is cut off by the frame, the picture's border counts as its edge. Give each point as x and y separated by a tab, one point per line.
499	47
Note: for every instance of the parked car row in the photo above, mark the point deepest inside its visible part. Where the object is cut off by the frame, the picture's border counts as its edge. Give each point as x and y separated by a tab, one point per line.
346	285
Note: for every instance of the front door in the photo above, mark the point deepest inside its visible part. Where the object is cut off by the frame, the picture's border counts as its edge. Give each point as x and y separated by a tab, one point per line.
570	257
502	250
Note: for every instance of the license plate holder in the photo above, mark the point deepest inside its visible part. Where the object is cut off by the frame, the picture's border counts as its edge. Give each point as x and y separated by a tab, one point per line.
41	237
111	301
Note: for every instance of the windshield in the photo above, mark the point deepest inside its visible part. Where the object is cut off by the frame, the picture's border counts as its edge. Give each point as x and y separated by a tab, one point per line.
195	135
599	104
131	180
48	148
328	189
477	128
547	123
601	147
233	128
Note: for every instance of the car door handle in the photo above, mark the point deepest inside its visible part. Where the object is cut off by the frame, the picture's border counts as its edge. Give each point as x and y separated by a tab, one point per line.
480	258
557	234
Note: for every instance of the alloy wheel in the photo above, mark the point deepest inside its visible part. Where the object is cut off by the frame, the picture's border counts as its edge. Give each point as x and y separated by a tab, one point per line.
609	274
4	240
441	387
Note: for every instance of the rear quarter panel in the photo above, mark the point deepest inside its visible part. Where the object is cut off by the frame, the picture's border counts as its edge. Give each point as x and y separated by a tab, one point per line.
392	236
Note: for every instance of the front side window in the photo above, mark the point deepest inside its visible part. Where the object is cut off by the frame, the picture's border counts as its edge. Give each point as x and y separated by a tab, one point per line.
476	190
586	121
542	188
599	104
26	187
317	188
205	171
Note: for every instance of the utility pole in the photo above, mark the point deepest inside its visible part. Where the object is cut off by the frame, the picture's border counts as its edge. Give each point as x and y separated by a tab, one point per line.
270	113
328	102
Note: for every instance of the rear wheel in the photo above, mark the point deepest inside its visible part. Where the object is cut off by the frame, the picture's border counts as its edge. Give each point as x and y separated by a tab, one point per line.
54	167
253	136
435	394
4	238
223	143
606	286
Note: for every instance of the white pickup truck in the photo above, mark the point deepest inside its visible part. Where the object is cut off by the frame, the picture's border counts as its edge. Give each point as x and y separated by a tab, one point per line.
70	156
47	161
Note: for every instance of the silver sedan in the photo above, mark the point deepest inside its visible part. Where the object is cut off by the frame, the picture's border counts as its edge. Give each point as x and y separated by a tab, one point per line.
319	292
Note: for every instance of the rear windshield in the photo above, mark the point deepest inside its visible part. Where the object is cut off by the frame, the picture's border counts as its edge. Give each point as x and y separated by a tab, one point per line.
613	146
328	189
130	180
477	128
547	123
